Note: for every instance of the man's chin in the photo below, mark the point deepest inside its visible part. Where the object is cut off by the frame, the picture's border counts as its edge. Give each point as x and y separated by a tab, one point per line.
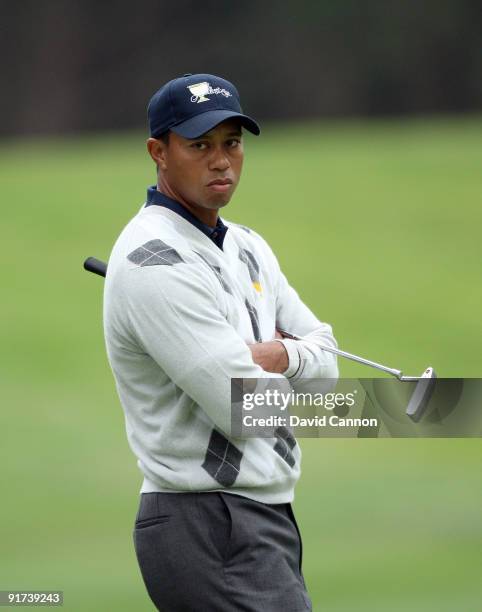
219	201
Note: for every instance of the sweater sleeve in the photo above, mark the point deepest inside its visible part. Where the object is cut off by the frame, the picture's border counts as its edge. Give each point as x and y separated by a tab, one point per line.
177	317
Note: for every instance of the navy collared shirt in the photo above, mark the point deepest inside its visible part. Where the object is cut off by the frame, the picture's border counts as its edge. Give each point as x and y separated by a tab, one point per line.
216	234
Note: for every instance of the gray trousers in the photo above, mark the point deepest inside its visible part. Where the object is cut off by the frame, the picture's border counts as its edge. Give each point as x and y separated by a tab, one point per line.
219	552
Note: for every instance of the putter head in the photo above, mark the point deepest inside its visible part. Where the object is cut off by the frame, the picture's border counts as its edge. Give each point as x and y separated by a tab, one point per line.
421	395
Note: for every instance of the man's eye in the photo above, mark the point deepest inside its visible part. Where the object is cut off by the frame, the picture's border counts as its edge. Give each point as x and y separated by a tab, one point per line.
233	142
200	146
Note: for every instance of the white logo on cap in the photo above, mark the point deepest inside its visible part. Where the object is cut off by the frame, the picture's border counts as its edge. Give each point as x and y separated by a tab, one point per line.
201	90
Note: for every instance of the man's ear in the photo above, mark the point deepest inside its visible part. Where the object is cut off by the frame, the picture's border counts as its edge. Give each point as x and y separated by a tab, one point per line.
157	150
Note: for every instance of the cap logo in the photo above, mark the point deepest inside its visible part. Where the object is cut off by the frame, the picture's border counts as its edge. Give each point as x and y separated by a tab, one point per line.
199	92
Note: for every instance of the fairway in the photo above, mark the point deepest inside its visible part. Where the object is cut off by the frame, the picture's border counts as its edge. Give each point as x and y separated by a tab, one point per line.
377	226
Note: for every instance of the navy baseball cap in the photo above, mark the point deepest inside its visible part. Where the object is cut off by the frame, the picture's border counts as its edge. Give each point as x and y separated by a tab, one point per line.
193	104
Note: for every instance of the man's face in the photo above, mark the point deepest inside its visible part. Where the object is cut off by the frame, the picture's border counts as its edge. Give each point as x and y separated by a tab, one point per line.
204	172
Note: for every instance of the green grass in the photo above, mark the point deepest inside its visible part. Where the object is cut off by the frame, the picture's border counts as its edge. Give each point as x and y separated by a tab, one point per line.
377	226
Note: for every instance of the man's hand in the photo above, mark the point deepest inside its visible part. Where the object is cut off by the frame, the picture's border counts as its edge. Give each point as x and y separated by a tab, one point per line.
271	356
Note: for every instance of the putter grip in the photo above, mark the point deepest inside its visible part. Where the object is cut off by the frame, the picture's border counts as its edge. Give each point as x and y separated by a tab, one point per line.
91	264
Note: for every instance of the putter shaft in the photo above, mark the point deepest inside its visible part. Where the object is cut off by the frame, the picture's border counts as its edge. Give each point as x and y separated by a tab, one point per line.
368	362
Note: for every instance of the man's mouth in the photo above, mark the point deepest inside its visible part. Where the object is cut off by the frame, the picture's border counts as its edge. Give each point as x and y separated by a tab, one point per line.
220	185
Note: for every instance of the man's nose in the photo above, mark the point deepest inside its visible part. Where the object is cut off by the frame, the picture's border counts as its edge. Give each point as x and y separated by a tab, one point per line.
219	160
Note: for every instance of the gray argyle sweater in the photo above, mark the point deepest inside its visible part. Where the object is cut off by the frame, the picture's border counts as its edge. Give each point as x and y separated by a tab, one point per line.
178	314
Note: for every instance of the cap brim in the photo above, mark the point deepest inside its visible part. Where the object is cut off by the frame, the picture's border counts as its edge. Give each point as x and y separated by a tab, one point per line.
202	123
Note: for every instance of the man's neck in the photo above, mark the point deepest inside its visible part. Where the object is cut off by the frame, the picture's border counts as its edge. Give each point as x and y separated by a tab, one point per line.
206	215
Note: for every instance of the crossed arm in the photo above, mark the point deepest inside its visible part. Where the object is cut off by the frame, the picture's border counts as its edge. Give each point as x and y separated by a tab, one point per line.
176	320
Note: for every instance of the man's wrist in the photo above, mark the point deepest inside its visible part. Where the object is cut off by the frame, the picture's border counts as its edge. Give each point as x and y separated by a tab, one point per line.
270	356
293	356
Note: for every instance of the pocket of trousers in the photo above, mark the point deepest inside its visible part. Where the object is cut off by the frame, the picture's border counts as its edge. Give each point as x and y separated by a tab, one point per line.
148	522
216	513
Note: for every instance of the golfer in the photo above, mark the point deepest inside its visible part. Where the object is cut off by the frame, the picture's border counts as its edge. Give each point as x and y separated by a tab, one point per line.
192	301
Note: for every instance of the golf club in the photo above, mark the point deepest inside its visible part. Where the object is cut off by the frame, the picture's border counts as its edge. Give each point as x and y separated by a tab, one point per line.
429	372
91	264
425	382
423	389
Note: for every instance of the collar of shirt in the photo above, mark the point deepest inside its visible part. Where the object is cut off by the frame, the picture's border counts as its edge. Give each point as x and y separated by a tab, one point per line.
216	234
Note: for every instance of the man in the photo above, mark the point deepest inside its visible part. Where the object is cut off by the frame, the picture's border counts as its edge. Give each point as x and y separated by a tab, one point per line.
191	302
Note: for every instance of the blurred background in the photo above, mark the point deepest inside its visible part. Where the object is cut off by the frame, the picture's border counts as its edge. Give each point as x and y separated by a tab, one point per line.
366	182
